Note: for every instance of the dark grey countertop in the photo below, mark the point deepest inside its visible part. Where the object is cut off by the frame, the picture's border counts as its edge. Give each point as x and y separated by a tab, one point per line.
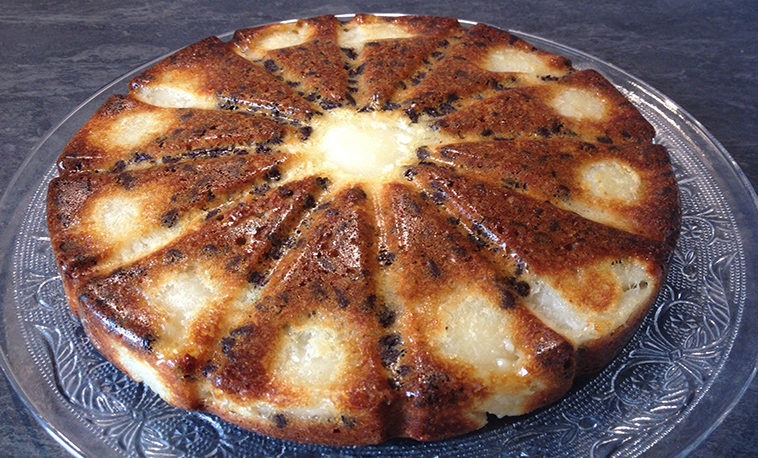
53	55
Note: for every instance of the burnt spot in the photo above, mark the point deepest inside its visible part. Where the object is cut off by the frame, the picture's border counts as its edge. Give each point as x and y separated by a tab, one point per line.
389	350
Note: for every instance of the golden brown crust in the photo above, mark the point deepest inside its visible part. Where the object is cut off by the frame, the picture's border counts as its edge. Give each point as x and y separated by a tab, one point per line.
315	68
230	79
209	251
185	132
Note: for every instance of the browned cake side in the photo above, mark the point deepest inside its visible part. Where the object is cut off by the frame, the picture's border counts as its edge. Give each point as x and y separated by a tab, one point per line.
342	232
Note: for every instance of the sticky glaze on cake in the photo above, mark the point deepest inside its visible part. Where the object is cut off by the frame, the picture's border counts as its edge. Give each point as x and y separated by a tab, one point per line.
346	231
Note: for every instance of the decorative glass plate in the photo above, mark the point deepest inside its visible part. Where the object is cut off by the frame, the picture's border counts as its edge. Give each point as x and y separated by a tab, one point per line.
676	380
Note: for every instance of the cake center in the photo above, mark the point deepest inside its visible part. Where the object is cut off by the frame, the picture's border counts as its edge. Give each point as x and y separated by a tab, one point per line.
366	145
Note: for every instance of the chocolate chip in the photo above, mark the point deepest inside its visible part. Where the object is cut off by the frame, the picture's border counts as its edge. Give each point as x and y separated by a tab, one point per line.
387	318
246	330
126	180
170	218
256	278
389	351
605	139
507	300
342	300
434	270
280	420
270	66
386	258
410	173
522	288
305	132
172	255
274	174
309	201
227	344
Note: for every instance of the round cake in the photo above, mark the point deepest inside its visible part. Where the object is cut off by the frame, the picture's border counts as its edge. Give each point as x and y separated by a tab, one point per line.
343	231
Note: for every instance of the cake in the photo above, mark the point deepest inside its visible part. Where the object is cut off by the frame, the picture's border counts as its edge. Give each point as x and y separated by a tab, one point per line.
345	231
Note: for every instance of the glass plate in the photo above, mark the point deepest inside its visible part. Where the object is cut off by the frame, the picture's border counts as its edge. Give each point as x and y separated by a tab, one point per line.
676	380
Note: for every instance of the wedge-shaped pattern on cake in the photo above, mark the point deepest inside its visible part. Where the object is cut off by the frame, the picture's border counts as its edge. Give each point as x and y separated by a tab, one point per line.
590	282
303	362
304	53
209	74
159	317
582	104
630	187
483	62
126	134
463	344
384	52
99	221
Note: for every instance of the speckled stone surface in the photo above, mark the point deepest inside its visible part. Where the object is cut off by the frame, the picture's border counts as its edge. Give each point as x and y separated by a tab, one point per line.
53	55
